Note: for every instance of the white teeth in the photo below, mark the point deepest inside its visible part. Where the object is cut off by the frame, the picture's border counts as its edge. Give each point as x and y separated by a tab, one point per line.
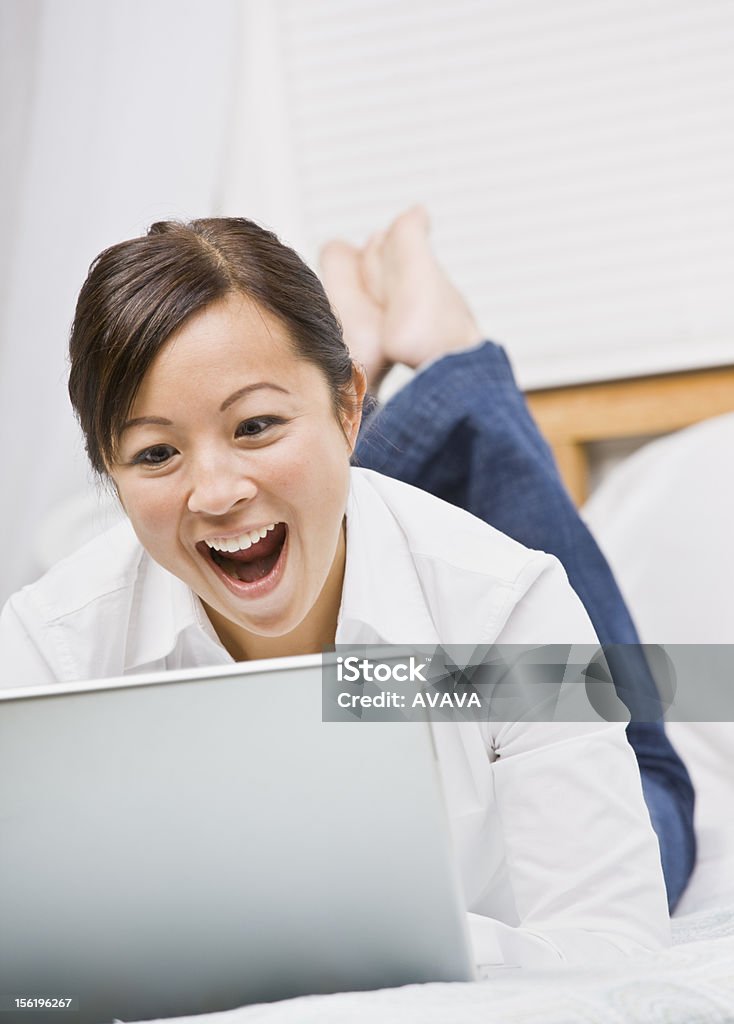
241	543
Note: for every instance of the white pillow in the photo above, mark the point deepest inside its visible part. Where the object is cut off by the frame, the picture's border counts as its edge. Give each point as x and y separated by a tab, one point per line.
665	520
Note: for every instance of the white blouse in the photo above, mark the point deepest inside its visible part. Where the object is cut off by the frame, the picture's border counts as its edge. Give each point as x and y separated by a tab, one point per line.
558	858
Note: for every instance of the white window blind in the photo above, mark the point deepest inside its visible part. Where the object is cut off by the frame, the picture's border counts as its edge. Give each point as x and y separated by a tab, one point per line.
577	158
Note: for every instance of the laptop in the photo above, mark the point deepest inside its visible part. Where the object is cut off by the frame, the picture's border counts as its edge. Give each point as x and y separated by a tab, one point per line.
183	843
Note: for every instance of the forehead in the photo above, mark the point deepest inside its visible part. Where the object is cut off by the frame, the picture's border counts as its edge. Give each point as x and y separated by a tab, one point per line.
235	329
233	342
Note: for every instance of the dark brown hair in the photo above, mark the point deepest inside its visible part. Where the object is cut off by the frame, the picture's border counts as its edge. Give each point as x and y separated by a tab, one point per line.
139	292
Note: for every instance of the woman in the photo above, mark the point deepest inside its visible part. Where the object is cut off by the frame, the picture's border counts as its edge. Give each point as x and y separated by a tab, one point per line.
217	396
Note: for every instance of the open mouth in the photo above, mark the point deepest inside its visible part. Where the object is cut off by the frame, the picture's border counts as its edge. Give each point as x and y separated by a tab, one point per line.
253	563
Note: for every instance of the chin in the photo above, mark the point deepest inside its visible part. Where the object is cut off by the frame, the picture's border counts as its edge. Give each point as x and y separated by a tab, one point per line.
266	623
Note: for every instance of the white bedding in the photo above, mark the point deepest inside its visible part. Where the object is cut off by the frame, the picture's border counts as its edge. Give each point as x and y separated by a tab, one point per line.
692	982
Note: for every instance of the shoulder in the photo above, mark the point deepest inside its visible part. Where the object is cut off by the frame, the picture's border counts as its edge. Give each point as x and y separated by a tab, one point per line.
478	585
437	531
105	565
88	593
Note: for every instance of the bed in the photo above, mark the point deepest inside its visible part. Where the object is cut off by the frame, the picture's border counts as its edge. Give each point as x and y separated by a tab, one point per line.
694	980
576	418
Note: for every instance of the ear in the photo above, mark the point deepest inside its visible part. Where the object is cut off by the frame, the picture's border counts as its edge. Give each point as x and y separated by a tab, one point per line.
352	417
111	485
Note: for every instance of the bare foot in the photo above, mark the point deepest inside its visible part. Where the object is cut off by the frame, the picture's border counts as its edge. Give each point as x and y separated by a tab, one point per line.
425	316
360	315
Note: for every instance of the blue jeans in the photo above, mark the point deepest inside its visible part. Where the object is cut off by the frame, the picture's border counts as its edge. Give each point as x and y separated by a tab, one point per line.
461	430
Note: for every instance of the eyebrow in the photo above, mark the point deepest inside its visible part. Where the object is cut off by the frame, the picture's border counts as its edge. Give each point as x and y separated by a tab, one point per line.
247	389
141	421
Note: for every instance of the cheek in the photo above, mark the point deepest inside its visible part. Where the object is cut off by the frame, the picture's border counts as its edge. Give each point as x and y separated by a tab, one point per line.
313	477
150	510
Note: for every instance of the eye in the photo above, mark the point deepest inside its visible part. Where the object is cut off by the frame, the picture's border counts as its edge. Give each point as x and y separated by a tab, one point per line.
154	456
256	426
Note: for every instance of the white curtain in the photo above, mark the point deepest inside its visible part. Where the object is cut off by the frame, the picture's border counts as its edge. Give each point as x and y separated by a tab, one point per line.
113	115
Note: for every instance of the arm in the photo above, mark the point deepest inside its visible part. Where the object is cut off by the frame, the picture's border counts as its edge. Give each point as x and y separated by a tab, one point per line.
580	880
461	430
582	859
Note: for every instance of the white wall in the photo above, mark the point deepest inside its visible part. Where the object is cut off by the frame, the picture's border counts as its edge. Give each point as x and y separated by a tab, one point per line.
126	109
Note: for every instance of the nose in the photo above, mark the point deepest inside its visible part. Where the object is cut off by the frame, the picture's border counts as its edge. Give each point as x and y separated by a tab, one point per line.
218	484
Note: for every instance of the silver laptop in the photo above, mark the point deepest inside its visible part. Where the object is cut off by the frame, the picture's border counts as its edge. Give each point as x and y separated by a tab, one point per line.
176	844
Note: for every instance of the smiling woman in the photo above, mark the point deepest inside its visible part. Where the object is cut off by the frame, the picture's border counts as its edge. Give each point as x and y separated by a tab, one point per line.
215	392
221	401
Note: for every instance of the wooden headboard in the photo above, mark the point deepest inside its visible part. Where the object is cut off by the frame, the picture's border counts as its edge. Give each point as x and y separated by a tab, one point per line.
572	417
